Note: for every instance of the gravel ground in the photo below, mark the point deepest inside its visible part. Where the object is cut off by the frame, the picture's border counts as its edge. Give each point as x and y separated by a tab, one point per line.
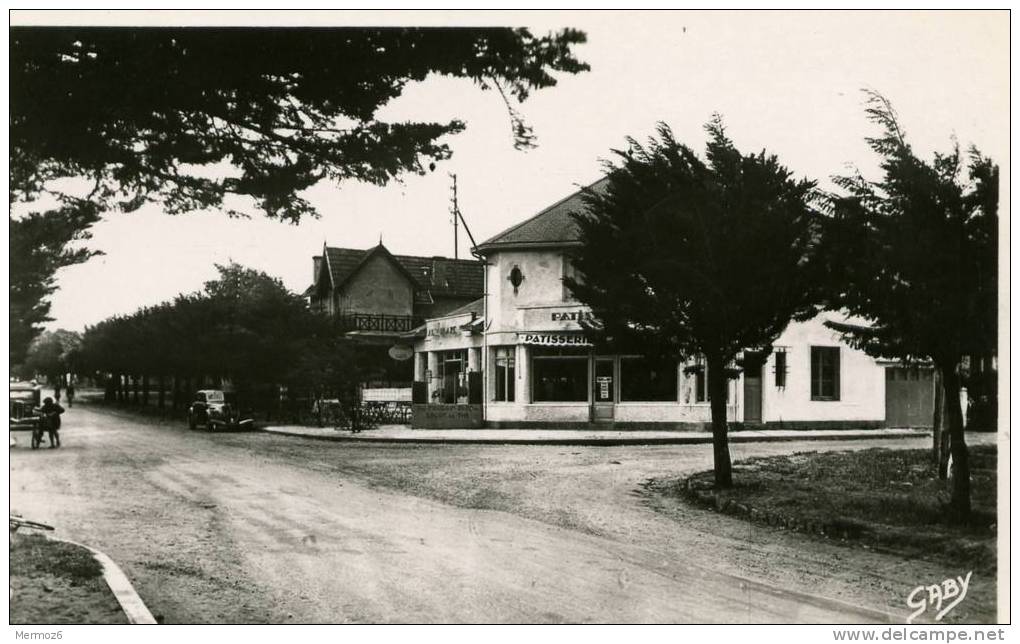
268	529
597	490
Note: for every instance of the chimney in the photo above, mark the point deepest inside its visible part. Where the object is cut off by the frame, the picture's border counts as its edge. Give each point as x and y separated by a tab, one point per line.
316	267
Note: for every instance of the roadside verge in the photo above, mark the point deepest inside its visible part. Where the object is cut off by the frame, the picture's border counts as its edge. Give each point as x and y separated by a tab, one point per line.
57	581
130	602
401	434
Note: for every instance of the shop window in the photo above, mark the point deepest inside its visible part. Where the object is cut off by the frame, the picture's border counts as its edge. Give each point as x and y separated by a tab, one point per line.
700	374
824	373
780	368
700	381
505	374
559	377
648	380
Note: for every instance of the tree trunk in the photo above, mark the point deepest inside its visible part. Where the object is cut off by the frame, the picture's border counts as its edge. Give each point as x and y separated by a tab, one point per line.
959	502
940	433
720	441
121	394
111	389
162	392
175	397
145	390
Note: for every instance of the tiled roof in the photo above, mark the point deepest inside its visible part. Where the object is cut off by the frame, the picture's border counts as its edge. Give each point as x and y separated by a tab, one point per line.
440	276
550	227
475	307
445	276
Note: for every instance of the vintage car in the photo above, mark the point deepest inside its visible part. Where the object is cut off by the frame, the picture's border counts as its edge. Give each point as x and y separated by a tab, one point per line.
212	410
25	398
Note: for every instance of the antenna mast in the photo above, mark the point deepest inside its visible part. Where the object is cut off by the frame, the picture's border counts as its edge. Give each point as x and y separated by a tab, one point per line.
457	214
455	211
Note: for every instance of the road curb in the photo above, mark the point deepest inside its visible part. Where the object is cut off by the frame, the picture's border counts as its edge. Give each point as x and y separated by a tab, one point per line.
130	602
595	442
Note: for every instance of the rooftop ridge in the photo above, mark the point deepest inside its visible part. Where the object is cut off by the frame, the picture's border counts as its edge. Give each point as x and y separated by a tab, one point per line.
493	240
429	257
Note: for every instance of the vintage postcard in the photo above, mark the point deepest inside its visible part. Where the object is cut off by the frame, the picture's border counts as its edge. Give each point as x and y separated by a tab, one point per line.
510	317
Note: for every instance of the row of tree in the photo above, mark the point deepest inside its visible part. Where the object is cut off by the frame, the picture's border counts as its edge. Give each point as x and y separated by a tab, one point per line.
690	256
245	328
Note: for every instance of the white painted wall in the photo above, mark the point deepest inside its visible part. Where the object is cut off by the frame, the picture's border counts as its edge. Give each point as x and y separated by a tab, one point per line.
543	285
861	379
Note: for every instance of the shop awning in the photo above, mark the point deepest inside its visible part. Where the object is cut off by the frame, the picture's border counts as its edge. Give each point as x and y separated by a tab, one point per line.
476	325
415	333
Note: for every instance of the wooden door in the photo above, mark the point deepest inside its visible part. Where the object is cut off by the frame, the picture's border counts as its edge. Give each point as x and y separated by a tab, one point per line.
752	394
603	391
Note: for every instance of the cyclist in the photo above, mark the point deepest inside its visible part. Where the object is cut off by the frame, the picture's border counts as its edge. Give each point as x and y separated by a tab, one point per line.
50	412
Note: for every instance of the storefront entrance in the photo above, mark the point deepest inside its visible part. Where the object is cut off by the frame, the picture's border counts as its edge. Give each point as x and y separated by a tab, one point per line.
603	391
452	374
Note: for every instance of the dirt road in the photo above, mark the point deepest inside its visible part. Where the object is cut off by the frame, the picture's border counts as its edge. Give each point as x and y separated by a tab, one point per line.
259	528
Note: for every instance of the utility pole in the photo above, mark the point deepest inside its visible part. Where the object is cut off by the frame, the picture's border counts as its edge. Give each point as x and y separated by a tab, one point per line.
456	214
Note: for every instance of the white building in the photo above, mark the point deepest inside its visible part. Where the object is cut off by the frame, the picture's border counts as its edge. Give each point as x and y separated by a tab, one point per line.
535	367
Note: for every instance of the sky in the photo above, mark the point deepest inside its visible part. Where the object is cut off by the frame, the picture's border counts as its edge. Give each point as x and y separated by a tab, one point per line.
788	82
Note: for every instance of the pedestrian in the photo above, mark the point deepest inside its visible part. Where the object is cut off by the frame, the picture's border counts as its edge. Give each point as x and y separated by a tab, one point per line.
70	394
50	412
56	390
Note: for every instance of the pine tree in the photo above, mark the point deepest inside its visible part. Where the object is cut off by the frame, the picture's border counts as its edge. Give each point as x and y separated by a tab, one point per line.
689	257
915	254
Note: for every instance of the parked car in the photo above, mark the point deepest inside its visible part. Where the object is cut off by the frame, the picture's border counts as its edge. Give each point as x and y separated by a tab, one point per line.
24	399
213	410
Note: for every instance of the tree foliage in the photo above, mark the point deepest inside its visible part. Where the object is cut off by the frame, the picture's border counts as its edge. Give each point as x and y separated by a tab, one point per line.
53	353
144	114
114	118
40	245
915	254
690	257
245	327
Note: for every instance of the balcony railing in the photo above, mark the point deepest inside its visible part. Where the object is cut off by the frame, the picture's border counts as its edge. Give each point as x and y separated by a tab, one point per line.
377	323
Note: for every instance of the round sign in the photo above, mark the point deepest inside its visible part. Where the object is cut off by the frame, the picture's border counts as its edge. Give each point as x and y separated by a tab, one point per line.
401	352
